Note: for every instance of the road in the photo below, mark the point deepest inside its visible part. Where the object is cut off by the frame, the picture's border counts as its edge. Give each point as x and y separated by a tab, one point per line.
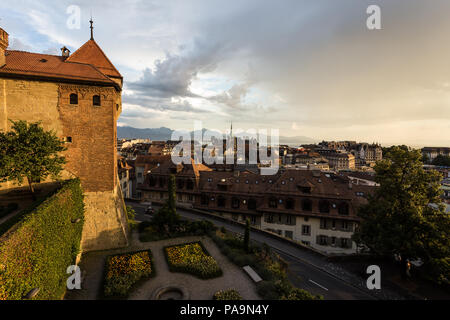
303	271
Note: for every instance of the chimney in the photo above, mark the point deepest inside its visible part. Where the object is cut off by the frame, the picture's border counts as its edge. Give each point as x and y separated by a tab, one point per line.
3	46
65	53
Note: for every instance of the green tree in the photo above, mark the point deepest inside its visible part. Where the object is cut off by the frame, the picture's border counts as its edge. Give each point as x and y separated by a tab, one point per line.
405	215
167	218
247	235
131	217
29	152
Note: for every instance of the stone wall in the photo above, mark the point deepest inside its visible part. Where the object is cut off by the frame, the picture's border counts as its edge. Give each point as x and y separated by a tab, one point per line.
105	225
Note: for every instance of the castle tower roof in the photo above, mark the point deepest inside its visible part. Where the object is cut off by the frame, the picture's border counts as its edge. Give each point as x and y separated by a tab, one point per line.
91	53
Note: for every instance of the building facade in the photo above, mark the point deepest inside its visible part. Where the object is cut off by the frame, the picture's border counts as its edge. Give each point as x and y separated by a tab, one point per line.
311	207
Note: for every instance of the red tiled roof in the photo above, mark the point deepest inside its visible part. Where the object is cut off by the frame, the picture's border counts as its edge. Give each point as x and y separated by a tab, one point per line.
91	53
50	66
142	160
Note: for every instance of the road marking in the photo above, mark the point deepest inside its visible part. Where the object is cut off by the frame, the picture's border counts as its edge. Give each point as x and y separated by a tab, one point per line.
318	284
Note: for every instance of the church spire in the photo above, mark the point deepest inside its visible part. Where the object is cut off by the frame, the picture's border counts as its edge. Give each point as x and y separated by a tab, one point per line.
92	28
231	131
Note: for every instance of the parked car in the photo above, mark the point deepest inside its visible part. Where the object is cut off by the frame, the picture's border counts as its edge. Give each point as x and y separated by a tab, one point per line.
149	210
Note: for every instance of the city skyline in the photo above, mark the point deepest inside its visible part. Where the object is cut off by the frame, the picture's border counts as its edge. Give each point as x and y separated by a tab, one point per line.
314	70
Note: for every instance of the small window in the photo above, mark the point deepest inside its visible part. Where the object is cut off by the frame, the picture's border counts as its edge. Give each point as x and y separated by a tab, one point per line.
273	203
306	230
307	205
324	206
251	204
221	202
323	240
73	98
343	209
68	139
96	100
235	203
290	204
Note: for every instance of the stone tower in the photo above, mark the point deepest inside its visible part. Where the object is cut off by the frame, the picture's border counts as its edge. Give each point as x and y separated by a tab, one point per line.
79	97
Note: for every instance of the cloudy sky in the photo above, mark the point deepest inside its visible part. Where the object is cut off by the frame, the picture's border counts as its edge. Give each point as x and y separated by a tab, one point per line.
306	67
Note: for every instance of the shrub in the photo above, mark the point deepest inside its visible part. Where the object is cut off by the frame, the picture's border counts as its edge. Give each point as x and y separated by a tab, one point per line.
267	290
131	217
300	294
230	294
125	270
36	252
143	225
192	258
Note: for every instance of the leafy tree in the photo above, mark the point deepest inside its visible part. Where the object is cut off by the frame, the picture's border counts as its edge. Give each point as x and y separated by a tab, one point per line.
405	215
131	217
167	218
425	159
441	160
28	151
247	235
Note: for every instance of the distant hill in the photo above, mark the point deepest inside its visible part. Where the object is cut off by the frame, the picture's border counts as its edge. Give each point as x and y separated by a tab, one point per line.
160	134
163	134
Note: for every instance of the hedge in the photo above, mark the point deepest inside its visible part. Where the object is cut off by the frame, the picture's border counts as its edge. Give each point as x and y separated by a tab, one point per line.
202	264
230	294
123	271
36	252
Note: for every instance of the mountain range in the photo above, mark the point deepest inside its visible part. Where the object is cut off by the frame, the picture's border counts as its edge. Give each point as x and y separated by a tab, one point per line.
163	134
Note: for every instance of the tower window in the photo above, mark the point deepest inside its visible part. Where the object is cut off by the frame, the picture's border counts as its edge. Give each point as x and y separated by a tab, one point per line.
73	98
96	100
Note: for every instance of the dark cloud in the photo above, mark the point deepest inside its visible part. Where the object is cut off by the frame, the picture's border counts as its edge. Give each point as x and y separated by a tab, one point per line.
173	76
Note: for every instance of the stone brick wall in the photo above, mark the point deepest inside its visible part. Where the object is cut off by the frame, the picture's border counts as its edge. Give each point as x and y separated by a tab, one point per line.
91	154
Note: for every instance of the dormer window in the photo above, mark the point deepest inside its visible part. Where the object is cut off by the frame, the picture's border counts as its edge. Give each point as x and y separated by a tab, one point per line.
96	100
73	98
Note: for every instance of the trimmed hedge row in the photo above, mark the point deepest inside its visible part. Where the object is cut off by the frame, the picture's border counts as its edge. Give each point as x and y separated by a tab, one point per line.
36	252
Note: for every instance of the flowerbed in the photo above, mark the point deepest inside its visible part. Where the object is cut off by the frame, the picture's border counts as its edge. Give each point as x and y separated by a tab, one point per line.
124	271
230	294
192	258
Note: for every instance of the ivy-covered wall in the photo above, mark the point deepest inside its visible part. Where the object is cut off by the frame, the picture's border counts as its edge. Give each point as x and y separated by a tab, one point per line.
38	250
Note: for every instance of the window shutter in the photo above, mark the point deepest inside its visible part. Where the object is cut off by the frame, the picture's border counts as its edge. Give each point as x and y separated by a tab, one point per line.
318	240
